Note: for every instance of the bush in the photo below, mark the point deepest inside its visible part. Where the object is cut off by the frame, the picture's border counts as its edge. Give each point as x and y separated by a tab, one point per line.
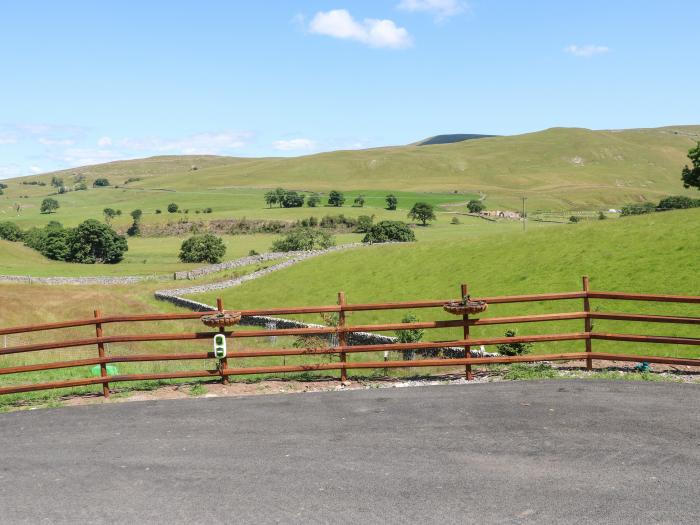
80	186
423	212
9	231
292	199
313	200
455	220
364	223
359	201
208	210
49	205
337	221
389	231
335	198
412	335
303	239
101	182
202	248
678	202
158	212
391	202
637	209
94	242
172	207
573	219
514	348
601	216
475	206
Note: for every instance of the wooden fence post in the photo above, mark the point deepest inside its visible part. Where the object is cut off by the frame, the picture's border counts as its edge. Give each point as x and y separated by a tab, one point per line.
101	353
467	349
588	326
223	362
342	337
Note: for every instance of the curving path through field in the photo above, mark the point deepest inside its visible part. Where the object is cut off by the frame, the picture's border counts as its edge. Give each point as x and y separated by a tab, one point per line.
510	452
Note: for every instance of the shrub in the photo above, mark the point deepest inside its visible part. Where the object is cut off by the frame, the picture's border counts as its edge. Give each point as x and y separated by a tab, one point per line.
364	223
292	199
270	198
93	242
412	335
172	207
637	209
514	348
49	205
158	212
208	210
202	248
335	198
101	182
337	221
601	216
3	186
475	206
359	201
389	231
252	253
9	231
455	220
678	202
303	239
80	186
423	212
56	182
573	219
391	202
313	200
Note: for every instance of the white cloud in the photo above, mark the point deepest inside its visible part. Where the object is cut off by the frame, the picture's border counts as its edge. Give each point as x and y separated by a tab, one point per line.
85	156
7	138
339	23
56	142
440	8
295	145
586	51
104	142
35	169
200	144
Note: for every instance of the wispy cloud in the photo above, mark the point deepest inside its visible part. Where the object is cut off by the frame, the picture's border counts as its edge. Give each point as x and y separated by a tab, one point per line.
339	23
441	9
7	138
199	144
586	51
299	144
104	142
56	142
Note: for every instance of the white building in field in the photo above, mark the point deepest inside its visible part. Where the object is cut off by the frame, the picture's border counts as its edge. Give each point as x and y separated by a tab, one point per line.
500	214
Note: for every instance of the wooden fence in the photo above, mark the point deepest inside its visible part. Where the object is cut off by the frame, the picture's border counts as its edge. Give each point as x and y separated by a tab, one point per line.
343	308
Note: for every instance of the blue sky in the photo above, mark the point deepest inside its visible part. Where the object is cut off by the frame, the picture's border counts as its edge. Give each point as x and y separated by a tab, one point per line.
85	82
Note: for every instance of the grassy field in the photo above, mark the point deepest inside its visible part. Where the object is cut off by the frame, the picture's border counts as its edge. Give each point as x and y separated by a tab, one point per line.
559	168
655	254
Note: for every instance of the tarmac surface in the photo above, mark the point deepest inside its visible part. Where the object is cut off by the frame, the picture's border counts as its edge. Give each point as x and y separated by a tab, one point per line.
568	451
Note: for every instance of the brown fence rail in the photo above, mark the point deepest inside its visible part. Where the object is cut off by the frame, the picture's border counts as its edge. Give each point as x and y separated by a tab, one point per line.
343	308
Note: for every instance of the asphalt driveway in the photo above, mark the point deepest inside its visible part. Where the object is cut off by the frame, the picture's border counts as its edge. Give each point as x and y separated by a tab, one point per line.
510	452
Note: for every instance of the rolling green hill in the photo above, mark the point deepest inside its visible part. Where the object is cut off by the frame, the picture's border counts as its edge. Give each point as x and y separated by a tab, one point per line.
559	168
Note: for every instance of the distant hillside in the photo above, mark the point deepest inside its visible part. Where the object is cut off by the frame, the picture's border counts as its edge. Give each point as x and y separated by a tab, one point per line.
449	139
558	168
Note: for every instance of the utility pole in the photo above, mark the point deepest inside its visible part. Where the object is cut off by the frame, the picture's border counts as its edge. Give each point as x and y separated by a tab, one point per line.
523	215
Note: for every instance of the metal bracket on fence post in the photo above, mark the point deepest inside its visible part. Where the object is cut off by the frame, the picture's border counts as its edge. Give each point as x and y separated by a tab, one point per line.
467	349
223	362
101	353
588	326
342	337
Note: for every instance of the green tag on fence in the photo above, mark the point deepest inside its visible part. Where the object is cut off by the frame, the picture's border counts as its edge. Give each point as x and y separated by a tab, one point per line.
111	370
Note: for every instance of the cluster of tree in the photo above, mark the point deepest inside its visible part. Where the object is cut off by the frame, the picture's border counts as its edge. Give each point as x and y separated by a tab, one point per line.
203	248
304	239
389	231
100	183
675	202
89	243
9	231
292	199
110	214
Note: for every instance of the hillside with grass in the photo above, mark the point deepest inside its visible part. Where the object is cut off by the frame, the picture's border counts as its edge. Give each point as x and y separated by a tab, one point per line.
558	168
655	253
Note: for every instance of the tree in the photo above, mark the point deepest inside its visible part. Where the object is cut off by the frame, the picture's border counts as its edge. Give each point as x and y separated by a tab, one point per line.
313	200
56	182
691	176
203	248
637	209
423	212
412	335
270	198
364	223
303	239
172	207
335	198
389	231
9	231
136	214
101	182
109	214
678	202
49	205
359	201
135	228
94	242
601	216
391	202
292	199
475	206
